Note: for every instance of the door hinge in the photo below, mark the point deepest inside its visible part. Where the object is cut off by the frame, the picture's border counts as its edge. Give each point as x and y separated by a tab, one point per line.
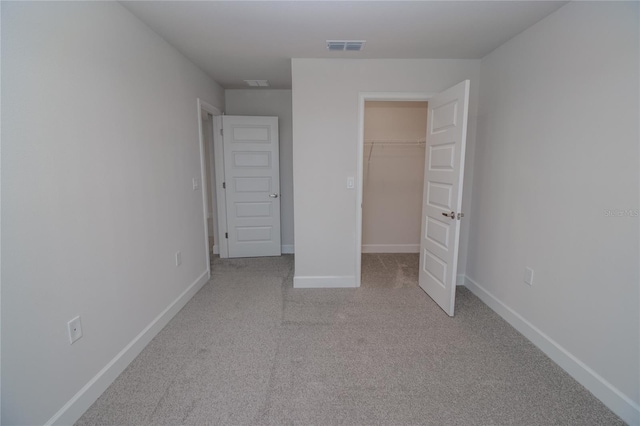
221	132
226	235
224	185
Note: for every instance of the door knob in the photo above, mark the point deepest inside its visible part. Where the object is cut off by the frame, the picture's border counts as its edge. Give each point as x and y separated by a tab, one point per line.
452	215
273	195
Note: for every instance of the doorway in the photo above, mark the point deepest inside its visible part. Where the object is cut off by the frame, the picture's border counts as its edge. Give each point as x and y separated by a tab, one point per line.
392	189
209	155
445	137
207	131
364	98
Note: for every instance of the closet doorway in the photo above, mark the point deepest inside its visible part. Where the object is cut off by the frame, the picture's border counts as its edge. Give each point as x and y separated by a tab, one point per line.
446	135
392	190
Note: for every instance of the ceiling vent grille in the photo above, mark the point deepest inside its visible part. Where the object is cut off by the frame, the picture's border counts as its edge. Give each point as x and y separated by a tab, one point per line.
345	45
257	83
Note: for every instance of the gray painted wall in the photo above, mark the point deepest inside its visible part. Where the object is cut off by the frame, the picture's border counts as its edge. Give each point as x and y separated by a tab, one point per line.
99	148
325	131
557	155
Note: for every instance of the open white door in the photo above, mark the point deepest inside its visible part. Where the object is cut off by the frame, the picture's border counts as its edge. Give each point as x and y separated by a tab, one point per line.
252	185
442	198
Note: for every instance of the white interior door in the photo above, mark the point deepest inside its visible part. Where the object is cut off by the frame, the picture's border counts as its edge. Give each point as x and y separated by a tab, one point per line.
252	185
444	166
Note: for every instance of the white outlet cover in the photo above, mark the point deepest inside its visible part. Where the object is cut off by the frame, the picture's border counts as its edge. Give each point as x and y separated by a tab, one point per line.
74	327
196	184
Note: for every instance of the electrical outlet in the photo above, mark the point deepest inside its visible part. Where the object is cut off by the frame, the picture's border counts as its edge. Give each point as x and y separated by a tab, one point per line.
178	258
74	327
196	184
528	276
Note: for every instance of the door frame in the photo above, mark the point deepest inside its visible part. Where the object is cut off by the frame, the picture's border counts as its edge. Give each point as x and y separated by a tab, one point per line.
204	107
362	98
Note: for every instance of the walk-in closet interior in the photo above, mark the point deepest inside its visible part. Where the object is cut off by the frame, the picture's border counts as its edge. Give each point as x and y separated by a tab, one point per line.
393	177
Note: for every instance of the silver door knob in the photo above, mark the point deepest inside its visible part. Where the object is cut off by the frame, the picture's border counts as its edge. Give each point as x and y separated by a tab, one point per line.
452	215
273	195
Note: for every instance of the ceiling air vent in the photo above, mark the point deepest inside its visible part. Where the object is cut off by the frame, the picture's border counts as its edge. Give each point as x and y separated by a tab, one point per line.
257	83
345	45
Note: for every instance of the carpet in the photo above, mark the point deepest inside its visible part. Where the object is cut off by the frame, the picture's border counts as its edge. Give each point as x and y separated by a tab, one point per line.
248	349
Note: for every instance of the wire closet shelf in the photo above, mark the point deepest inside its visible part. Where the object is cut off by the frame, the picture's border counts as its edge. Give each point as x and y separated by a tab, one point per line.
391	143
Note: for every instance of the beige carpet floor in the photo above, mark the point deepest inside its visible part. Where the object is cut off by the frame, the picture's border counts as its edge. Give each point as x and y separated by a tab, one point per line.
249	349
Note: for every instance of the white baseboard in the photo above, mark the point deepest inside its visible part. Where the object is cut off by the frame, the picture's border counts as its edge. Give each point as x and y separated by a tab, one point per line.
285	248
460	281
346	281
391	248
288	249
619	403
86	396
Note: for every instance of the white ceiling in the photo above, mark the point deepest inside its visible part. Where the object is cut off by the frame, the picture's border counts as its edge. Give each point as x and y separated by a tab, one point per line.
237	40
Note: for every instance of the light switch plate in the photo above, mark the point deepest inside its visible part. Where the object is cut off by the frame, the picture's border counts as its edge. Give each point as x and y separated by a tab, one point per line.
351	182
528	276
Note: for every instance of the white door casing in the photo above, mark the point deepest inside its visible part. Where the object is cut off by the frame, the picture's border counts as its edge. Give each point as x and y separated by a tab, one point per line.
205	108
221	200
442	197
252	185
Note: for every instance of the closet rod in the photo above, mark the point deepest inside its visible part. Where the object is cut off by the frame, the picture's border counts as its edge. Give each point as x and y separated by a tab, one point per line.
374	143
396	143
